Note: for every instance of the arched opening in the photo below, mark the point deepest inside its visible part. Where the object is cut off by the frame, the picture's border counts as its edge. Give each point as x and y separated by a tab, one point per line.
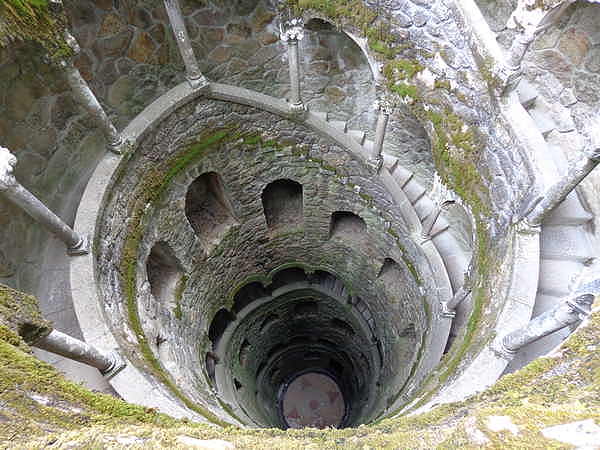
219	324
208	209
164	273
247	294
347	225
288	276
283	204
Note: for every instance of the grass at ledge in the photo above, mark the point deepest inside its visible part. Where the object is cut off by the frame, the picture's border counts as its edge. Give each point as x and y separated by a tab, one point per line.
31	20
550	391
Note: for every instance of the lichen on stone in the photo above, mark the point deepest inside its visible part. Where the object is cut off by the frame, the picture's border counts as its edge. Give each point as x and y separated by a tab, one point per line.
32	20
20	314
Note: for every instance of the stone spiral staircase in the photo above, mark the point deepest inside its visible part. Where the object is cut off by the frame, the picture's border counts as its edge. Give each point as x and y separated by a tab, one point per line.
565	245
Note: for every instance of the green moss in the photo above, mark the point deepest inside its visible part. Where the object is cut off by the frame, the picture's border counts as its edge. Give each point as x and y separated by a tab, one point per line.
181	284
22	375
402	69
353	12
405	90
20	313
442	84
150	191
486	69
31	20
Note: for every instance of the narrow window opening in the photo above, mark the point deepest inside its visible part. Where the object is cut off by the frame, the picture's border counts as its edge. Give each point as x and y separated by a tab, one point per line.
219	324
208	209
345	224
164	273
282	204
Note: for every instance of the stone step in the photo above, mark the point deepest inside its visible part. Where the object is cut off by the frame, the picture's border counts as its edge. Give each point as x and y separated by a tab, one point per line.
368	146
339	124
424	206
414	191
544	302
323	115
441	225
527	94
558	277
569	212
562	242
358	136
542	120
390	162
402	175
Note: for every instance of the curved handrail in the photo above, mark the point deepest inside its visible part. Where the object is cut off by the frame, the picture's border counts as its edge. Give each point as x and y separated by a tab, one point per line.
144	389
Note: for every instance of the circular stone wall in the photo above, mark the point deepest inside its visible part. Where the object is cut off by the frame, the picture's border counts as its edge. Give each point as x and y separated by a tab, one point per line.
225	217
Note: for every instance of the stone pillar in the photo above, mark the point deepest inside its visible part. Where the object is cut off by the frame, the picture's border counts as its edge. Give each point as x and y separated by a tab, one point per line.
192	70
518	49
62	344
385	107
17	194
449	307
430	221
292	31
565	314
532	22
84	95
558	192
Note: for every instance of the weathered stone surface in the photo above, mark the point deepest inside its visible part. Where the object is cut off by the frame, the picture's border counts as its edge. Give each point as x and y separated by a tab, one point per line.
20	313
574	45
113	45
7	269
111	25
221	54
582	434
237	32
584	87
208	444
142	48
20	99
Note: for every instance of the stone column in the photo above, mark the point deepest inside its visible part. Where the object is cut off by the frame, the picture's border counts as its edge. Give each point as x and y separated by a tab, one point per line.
449	307
192	70
559	191
565	314
532	22
385	107
17	194
517	50
292	31
62	344
84	95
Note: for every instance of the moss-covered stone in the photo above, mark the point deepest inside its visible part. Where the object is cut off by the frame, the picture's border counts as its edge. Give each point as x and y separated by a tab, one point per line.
32	20
20	314
41	408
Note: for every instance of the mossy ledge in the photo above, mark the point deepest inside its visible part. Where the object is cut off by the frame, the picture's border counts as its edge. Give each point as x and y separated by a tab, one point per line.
20	315
41	408
32	20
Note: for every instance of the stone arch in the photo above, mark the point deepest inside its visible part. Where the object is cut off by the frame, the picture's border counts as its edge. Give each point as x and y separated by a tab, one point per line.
164	272
288	276
248	294
219	324
283	204
361	42
346	224
208	208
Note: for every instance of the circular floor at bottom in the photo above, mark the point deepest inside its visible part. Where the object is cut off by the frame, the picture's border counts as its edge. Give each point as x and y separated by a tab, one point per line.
313	400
